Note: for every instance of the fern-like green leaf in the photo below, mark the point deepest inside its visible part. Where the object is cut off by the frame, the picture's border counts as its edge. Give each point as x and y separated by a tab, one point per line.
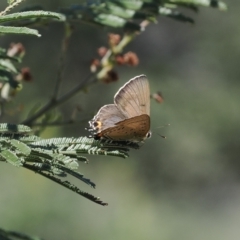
21	147
206	3
66	184
19	30
13	235
56	156
32	14
13	128
11	157
123	13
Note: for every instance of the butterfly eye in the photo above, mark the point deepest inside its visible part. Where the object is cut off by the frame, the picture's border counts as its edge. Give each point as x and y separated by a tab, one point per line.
149	134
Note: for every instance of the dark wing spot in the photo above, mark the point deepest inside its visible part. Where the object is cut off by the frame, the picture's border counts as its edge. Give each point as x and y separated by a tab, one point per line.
95	124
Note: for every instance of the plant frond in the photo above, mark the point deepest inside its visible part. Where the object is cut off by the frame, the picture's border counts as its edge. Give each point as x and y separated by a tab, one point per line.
24	17
205	3
56	156
25	138
13	235
13	128
32	15
66	184
123	14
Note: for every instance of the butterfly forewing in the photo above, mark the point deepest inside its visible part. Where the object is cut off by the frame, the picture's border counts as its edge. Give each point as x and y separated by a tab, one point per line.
133	99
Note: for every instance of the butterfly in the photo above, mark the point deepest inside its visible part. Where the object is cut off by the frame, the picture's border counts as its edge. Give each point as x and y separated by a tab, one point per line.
128	119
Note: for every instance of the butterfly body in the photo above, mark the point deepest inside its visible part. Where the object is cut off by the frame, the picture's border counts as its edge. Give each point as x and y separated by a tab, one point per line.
128	119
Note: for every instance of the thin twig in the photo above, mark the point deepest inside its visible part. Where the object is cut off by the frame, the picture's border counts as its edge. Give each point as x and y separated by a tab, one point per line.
56	102
65	42
56	124
11	7
2	108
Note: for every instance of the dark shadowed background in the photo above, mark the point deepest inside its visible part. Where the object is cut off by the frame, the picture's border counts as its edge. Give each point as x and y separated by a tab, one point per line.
186	186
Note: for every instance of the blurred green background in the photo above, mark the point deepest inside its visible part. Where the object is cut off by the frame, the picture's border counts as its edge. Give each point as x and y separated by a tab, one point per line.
186	186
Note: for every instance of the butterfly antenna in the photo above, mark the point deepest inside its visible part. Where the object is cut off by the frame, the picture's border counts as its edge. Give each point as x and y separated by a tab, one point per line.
162	136
166	125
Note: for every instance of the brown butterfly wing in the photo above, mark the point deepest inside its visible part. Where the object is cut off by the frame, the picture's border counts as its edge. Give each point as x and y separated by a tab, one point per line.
106	117
133	99
134	129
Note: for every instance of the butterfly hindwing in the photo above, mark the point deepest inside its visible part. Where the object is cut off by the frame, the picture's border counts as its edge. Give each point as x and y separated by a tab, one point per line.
133	129
107	116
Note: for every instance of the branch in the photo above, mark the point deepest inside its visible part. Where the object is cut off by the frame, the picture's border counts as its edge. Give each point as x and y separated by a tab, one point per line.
54	103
